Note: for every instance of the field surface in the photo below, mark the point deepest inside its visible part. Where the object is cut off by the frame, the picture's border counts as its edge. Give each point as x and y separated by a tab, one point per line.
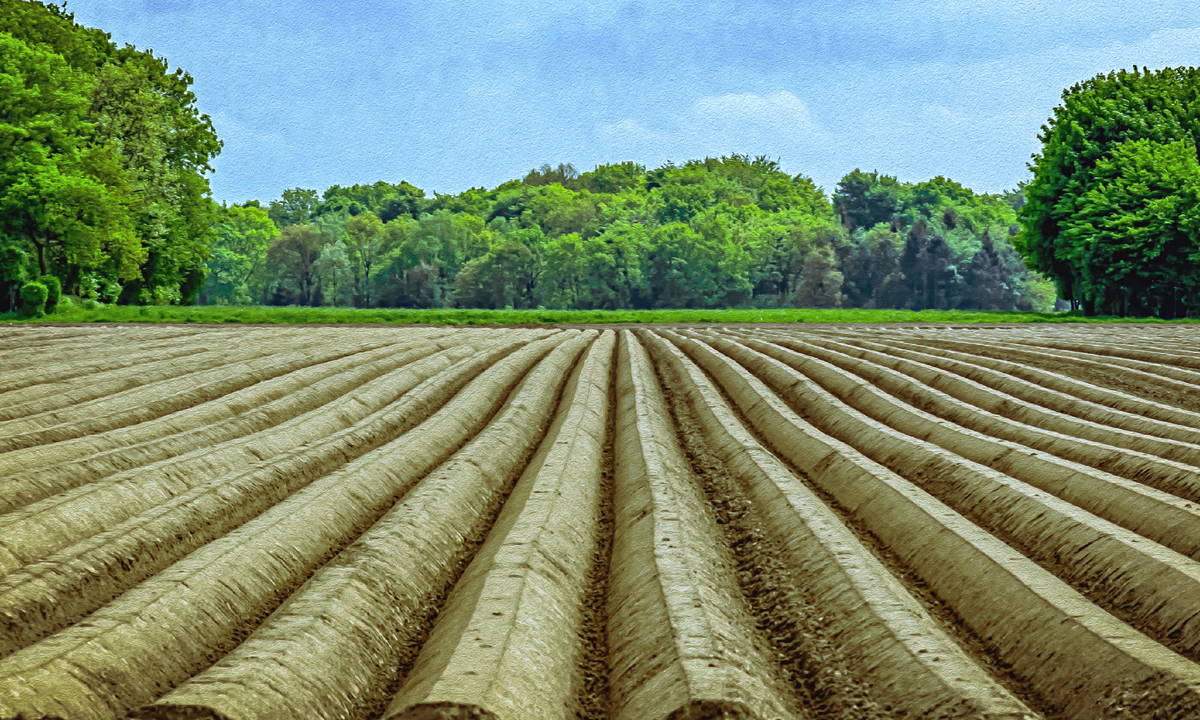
665	523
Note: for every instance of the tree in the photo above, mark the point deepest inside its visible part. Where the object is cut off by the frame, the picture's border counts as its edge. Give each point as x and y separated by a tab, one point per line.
335	268
929	269
613	178
567	263
238	267
408	200
52	26
1079	155
869	260
678	203
14	268
424	256
615	278
546	175
820	282
684	268
366	247
293	262
69	201
381	198
504	277
867	199
102	159
987	286
1135	235
147	115
294	208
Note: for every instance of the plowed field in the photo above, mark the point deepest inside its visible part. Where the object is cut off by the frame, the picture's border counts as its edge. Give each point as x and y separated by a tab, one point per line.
748	522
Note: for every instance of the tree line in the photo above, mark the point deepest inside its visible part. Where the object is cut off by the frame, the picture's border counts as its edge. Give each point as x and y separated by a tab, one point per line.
733	231
104	195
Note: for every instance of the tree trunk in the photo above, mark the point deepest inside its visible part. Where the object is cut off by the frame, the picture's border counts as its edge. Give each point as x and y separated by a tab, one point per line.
41	253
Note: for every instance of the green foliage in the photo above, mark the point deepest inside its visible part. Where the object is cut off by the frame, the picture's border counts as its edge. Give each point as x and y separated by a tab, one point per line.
14	268
95	312
1135	235
947	246
820	284
733	231
296	207
562	175
53	291
292	262
36	22
237	270
33	299
383	199
102	159
612	179
505	277
1110	226
865	200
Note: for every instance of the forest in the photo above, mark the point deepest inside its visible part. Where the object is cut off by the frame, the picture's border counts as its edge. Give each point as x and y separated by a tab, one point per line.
733	231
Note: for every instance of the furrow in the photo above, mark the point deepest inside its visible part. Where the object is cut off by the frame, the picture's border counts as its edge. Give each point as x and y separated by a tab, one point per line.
1082	660
36	335
1182	394
47	595
1021	400
148	403
681	641
1143	359
34	346
47	525
1114	486
508	644
168	396
176	624
1164	364
305	661
1071	387
72	362
881	631
42	471
1155	589
35	374
42	406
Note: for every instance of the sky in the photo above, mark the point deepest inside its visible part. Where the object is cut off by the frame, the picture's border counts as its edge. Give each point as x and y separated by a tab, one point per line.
453	95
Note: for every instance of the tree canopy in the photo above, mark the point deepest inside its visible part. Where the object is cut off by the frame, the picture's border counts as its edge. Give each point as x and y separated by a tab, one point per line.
1111	211
103	156
732	231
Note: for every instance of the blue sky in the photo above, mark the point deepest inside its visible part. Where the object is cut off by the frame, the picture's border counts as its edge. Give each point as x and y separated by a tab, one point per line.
453	95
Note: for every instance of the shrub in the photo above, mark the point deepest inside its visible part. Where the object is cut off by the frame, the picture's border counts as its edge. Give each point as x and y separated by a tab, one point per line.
33	299
53	291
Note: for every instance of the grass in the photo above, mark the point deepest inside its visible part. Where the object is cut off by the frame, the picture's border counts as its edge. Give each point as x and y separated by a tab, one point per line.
83	313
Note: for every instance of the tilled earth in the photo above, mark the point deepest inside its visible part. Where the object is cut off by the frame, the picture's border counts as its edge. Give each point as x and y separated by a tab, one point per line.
660	523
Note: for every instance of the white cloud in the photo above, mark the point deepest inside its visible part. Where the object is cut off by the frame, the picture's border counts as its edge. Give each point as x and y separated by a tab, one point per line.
775	124
782	111
628	130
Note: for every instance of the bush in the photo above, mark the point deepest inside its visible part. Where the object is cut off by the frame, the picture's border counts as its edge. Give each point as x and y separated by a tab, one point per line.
33	299
53	291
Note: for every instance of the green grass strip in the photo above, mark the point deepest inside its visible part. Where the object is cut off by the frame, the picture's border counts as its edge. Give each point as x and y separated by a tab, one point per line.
305	315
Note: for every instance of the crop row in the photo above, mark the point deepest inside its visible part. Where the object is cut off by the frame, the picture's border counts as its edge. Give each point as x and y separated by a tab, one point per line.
661	523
